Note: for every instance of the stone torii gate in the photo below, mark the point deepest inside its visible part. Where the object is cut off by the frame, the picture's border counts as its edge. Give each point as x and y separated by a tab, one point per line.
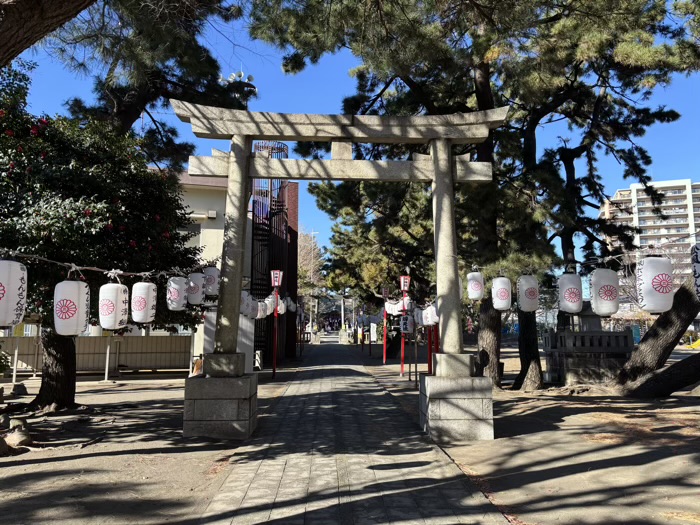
453	370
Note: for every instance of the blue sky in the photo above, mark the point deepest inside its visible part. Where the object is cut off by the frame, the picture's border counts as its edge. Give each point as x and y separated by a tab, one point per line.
321	88
318	89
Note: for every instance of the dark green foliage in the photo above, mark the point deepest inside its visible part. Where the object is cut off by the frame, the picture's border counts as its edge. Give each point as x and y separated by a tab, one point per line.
77	192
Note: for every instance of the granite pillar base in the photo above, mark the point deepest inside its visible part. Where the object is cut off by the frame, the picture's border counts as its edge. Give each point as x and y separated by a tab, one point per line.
456	410
221	407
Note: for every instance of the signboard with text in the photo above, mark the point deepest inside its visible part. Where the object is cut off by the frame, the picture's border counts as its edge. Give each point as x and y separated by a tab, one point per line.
276	276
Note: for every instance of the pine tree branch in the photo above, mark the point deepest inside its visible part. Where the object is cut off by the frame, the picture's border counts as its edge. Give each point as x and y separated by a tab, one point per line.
420	94
378	96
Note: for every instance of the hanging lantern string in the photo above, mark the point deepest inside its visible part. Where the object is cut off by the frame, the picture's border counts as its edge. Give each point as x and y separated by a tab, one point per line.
74	268
114	274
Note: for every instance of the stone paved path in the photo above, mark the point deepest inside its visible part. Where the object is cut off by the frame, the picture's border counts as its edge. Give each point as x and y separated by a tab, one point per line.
337	449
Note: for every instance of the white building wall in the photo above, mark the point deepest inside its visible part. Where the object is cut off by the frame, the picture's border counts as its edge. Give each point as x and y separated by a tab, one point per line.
207	206
663	234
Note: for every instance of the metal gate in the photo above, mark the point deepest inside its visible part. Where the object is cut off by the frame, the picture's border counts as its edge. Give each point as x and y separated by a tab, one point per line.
270	247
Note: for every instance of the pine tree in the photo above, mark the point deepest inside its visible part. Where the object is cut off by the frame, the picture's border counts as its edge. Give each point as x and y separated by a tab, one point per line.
144	56
592	65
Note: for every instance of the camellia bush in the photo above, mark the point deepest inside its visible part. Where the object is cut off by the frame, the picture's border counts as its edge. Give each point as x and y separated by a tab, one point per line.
77	192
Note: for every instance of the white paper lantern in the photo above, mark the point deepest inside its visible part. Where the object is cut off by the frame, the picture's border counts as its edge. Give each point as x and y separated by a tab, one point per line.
13	293
291	305
418	316
528	293
270	304
71	307
211	280
570	293
501	293
143	302
113	306
177	294
655	284
244	303
434	317
475	286
605	292
695	260
195	288
252	307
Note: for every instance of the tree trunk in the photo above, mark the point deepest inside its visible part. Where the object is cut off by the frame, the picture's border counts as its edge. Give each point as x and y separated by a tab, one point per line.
663	383
568	250
489	340
58	371
530	376
489	337
24	22
663	336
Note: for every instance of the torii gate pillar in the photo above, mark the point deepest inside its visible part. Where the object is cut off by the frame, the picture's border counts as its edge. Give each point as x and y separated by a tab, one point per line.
449	295
454	406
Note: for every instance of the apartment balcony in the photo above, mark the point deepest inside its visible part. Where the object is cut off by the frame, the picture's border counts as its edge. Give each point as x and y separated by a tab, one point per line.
622	195
672	211
665	202
664	232
667	222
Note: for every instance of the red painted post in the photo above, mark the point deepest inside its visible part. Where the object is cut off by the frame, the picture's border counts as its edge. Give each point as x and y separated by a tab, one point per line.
403	336
369	342
362	337
274	336
430	349
437	338
385	334
405	281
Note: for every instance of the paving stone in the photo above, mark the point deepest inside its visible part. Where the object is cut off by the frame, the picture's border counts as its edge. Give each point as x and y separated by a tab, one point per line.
335	448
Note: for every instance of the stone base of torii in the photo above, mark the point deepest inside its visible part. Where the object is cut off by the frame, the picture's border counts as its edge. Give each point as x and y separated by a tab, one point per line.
455	407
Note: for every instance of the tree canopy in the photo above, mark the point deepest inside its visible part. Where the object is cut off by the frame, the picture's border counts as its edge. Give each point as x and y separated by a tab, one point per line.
585	69
77	192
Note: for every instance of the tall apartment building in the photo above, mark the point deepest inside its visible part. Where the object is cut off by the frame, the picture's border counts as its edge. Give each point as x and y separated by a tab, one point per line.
673	236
